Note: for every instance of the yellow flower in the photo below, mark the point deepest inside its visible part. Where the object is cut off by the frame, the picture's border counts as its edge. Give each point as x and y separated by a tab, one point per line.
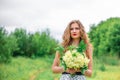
74	59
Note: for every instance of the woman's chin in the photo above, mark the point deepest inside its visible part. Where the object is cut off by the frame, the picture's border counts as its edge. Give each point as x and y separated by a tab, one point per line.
75	37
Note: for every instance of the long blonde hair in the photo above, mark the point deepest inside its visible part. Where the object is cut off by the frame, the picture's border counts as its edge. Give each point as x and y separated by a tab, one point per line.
67	40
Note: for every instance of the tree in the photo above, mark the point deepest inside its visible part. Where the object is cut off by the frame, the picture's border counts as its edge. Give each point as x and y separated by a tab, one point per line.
106	37
21	37
114	39
43	43
7	45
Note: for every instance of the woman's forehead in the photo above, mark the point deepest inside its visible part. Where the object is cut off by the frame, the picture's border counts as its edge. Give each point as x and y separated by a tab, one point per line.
74	25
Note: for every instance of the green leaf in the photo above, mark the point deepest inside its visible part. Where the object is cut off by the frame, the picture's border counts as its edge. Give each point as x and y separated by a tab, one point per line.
71	47
64	65
74	55
60	49
83	69
81	47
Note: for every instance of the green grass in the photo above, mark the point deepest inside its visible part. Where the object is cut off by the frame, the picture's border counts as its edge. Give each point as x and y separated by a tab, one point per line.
22	68
25	69
104	69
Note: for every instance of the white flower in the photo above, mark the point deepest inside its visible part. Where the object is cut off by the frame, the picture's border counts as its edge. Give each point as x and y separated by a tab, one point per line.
74	59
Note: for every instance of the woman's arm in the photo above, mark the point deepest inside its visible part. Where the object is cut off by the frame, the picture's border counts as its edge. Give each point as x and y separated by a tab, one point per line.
55	66
89	55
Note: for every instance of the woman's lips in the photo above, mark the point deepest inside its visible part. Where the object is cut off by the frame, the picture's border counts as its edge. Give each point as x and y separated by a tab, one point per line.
74	34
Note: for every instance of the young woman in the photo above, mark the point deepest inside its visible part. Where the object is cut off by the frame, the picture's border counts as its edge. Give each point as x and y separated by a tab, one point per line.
73	34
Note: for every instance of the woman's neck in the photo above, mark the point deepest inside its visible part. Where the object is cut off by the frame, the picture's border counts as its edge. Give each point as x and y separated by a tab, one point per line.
75	42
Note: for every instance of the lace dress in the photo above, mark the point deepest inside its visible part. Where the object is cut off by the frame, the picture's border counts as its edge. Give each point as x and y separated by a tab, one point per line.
77	76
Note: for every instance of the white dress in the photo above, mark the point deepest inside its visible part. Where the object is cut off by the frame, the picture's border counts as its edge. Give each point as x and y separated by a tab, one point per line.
67	76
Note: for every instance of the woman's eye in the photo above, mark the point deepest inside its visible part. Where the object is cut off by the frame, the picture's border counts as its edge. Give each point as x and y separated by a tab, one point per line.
71	28
77	28
74	28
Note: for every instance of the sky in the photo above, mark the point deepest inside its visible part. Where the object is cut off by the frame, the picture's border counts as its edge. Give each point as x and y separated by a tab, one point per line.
37	15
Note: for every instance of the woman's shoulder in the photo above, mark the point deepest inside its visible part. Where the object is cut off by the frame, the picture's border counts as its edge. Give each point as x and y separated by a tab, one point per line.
60	44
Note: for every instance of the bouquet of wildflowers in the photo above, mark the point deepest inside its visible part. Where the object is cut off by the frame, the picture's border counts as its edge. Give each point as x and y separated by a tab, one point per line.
74	57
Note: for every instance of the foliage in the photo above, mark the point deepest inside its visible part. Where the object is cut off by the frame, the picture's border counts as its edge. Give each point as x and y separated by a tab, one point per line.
43	43
105	37
4	55
33	45
21	43
81	47
102	67
7	45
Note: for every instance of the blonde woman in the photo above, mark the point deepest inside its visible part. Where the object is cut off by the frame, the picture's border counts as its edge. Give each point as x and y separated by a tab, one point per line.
73	34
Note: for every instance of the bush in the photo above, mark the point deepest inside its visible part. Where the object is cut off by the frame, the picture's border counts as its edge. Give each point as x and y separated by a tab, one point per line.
7	46
102	67
34	45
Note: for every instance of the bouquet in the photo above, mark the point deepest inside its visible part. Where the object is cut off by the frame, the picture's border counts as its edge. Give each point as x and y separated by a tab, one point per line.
74	57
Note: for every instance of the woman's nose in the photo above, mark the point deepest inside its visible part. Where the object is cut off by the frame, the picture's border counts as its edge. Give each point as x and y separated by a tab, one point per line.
74	30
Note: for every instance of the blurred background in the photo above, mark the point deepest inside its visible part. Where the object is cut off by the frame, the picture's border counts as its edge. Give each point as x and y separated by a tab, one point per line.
30	30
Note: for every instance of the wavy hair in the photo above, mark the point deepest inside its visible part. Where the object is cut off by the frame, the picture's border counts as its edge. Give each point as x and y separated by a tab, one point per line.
67	40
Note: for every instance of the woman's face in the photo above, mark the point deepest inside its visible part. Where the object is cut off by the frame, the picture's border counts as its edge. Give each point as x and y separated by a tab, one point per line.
75	31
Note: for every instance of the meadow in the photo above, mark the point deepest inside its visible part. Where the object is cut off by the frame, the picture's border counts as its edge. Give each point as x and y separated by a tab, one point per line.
22	68
37	48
